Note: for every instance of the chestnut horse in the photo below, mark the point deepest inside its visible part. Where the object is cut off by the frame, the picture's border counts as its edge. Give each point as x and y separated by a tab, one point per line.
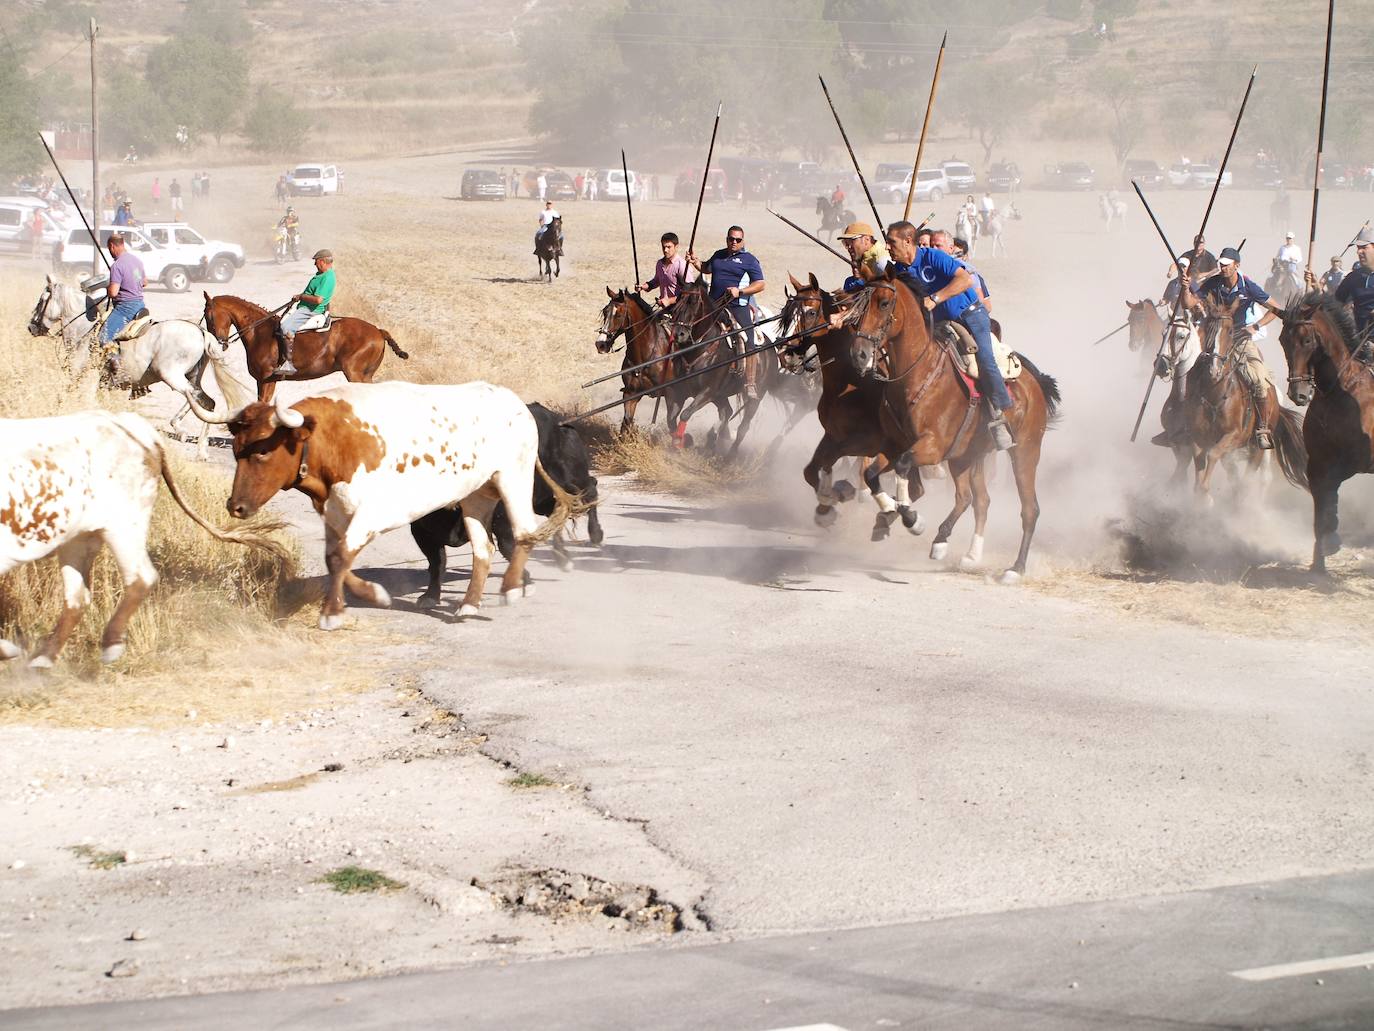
926	405
645	339
1220	415
351	346
848	412
1320	341
1146	328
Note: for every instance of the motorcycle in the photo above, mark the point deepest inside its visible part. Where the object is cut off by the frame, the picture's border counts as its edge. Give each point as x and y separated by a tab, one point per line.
285	243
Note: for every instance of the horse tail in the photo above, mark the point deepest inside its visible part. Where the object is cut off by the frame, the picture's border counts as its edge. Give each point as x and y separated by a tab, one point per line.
1049	386
237	395
391	343
1291	448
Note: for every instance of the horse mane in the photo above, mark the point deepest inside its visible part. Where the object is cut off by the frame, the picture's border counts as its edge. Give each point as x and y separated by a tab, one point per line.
1334	311
644	305
241	300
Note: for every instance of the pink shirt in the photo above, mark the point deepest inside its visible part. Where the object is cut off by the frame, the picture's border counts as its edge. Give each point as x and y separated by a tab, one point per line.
666	275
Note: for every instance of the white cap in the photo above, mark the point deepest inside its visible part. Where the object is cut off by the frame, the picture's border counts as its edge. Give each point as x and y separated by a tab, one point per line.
1288	235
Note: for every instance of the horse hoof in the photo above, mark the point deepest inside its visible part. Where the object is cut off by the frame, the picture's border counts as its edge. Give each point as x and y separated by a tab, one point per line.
1010	578
968	564
843	490
40	662
882	525
939	550
913	522
466	611
428	601
380	598
331	622
112	653
826	516
1331	544
8	650
565	562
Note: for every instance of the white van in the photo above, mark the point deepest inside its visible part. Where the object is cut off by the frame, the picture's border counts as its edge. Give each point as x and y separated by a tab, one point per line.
610	184
313	180
16	218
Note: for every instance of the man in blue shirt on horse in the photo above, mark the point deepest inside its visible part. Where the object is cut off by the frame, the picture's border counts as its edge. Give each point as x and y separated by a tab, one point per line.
736	276
947	289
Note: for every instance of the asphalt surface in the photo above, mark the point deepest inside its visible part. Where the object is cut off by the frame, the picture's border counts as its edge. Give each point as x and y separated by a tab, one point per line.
1219	959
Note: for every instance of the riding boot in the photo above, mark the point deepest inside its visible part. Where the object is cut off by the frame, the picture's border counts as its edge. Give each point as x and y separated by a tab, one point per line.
1001	432
1263	439
751	372
286	368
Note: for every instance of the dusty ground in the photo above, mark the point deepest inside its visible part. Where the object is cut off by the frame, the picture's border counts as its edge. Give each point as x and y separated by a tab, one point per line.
769	727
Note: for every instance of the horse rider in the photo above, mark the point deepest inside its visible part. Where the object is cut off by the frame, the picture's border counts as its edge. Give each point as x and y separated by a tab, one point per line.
736	276
546	220
1332	277
866	254
987	207
670	272
311	310
1290	256
1201	262
941	240
1357	290
837	197
948	290
970	210
1177	273
125	290
1228	285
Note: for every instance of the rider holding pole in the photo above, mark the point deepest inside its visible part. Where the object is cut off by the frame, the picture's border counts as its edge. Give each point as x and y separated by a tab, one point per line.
736	276
669	272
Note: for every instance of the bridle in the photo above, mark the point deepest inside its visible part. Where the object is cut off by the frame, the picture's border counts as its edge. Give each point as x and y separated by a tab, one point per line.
37	323
241	331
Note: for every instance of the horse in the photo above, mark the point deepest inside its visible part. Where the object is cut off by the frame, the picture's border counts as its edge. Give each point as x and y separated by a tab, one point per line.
1337	388
61	311
1112	209
848	413
996	226
350	346
646	338
967	229
1145	327
1283	284
1173	363
929	407
1219	412
834	215
548	251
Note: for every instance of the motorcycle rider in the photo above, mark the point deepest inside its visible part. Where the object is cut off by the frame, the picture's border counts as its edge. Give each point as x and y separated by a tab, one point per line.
290	224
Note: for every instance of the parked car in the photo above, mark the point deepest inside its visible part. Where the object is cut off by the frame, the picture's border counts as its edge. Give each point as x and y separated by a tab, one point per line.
1204	176
558	184
482	184
1143	171
959	174
314	180
1264	175
214	260
1071	175
688	185
610	183
73	254
891	171
1179	175
1005	176
16	220
931	185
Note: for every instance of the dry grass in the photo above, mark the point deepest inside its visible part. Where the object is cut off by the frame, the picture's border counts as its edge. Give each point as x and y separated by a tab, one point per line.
218	633
690	472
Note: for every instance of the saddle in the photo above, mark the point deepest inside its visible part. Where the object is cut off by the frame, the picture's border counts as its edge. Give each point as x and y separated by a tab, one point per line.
965	349
136	328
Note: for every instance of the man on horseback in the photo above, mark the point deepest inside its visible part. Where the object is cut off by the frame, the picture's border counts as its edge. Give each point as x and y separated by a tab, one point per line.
310	312
127	280
546	221
867	255
1357	290
1201	262
948	291
670	271
1332	277
736	276
1224	288
1177	274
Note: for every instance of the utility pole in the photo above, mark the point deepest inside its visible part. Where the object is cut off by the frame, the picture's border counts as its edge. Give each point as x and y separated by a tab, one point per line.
96	211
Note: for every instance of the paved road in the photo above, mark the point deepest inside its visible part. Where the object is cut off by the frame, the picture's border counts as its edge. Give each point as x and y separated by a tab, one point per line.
1222	959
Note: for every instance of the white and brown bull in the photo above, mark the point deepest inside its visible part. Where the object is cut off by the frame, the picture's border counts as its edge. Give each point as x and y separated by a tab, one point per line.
375	456
67	484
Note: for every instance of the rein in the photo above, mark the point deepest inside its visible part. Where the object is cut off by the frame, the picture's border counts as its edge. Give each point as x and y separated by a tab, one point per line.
274	313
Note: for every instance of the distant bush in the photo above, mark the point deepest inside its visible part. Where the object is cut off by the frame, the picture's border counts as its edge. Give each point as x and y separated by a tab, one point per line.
274	124
19	149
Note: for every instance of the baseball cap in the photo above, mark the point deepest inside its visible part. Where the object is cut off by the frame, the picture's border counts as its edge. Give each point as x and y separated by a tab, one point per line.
1228	256
856	229
328	255
1184	260
1288	235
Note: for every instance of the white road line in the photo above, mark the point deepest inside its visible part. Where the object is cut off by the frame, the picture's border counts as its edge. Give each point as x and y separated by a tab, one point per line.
1310	966
810	1027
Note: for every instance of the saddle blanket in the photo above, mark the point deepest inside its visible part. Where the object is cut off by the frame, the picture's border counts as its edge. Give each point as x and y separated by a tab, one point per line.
136	328
967	351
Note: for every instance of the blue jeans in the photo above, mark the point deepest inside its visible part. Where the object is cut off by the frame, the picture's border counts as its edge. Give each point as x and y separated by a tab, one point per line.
990	381
121	316
743	316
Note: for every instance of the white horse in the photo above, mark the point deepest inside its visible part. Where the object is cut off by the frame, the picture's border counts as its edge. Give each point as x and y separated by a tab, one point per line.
175	353
996	226
966	228
61	312
1113	209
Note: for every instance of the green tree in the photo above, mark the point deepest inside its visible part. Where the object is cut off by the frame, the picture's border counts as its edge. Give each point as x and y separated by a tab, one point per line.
20	151
274	124
992	100
202	83
131	115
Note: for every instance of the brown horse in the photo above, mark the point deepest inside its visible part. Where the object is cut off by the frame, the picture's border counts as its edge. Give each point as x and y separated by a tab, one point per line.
1320	341
1146	328
350	346
848	412
926	405
645	339
1220	415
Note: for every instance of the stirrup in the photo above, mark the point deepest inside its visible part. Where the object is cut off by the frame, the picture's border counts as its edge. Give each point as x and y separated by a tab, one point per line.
1001	433
1264	440
284	369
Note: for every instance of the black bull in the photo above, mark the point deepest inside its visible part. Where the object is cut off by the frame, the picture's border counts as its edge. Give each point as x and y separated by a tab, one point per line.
564	456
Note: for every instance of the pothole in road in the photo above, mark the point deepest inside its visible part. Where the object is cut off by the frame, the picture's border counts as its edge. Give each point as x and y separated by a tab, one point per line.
558	894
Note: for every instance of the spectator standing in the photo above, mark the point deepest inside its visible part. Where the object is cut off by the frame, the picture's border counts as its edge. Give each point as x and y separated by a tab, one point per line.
174	192
543	183
205	184
157	192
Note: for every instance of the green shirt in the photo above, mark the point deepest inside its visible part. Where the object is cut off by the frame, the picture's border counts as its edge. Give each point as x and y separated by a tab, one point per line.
322	286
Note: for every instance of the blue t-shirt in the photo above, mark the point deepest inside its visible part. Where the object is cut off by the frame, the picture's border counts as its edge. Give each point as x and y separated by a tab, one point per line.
1357	288
1246	289
727	270
931	272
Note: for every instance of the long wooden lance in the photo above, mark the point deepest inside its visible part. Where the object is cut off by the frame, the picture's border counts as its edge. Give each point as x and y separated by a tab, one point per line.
877	219
1111	334
925	126
747	352
1178	302
814	239
634	250
95	202
705	175
1321	135
675	353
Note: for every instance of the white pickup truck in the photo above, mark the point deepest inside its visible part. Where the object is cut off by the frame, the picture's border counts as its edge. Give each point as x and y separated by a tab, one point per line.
73	254
214	260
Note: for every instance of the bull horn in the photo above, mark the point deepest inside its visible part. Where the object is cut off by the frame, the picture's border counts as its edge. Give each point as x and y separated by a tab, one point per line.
210	417
283	415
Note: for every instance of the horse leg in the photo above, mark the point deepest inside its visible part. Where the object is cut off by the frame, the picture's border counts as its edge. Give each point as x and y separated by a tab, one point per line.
751	405
1204	465
1024	465
628	422
721	434
909	491
887	508
963	495
1326	485
973	558
817	475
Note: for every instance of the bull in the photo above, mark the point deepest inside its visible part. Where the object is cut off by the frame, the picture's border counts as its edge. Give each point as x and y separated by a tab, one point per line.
563	454
372	457
69	483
